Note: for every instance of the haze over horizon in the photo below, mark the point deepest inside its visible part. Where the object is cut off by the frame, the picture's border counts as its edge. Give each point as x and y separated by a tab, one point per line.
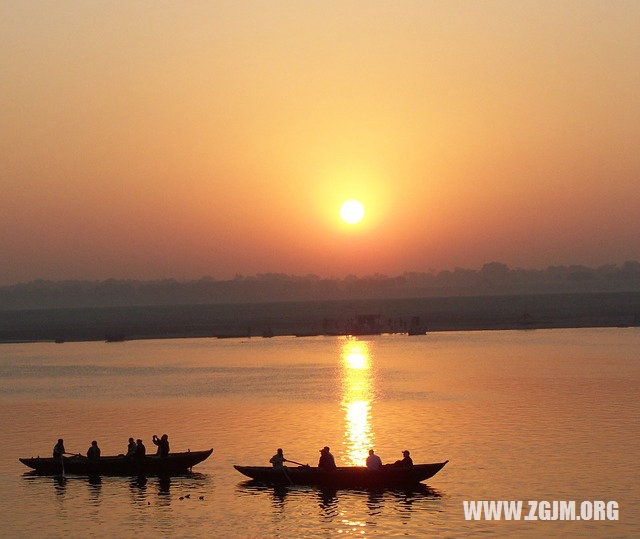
492	279
155	139
625	266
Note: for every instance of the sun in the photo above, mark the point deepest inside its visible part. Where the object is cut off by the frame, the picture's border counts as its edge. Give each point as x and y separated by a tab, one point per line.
352	212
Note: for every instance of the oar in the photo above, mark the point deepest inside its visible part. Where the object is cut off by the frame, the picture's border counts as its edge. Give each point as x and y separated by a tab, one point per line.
62	474
294	462
62	460
284	470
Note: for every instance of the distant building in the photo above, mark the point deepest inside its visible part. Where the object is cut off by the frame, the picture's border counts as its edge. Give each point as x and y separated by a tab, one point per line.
366	324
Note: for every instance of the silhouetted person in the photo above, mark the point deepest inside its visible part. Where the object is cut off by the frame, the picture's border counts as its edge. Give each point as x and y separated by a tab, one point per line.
163	445
278	459
141	450
326	462
374	462
131	448
94	451
406	460
58	451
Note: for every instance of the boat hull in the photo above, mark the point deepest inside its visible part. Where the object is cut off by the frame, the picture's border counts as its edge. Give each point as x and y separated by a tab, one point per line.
173	464
351	477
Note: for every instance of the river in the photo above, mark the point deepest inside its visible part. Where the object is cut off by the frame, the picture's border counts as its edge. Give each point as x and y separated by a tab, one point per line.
520	415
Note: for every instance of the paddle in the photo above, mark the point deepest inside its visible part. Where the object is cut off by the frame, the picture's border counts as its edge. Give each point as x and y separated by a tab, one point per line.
71	455
294	462
284	470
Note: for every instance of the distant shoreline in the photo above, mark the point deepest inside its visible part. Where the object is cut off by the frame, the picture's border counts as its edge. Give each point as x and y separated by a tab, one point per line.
344	317
258	337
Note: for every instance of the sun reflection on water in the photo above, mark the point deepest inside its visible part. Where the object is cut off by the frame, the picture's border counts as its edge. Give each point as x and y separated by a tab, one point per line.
357	395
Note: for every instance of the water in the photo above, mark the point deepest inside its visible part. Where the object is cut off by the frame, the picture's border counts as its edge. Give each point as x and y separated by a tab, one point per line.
540	415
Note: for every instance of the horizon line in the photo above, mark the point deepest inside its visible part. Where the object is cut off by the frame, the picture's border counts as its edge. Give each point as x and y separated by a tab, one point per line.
495	265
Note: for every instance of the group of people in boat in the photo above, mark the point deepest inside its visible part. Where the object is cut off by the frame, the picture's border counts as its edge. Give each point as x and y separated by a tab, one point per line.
138	450
328	462
135	449
374	462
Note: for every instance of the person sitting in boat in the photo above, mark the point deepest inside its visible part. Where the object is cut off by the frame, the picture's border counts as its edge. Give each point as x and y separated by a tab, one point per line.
163	445
94	451
406	460
326	462
131	448
374	462
141	450
278	459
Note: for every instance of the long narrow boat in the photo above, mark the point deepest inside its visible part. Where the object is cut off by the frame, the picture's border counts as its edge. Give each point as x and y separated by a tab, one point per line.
351	477
173	464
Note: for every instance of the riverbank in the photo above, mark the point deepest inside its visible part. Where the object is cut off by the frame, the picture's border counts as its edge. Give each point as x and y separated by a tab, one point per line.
323	318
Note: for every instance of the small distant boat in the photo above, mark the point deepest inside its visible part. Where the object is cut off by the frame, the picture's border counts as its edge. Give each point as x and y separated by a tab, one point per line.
416	327
417	331
347	477
173	464
526	320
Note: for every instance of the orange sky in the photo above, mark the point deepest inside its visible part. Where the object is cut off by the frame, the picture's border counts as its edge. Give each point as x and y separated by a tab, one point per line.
180	139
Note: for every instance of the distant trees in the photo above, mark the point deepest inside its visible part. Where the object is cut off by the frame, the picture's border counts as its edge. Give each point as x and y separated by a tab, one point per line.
493	278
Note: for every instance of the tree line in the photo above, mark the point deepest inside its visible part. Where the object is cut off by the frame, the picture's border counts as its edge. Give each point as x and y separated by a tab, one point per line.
494	278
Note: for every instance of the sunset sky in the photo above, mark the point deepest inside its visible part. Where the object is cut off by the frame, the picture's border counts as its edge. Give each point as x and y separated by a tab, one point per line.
151	139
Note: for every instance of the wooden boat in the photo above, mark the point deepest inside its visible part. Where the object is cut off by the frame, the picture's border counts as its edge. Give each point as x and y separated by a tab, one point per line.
348	477
173	464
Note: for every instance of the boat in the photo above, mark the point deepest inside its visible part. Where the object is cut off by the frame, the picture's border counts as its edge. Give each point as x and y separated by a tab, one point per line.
173	464
388	476
416	327
114	337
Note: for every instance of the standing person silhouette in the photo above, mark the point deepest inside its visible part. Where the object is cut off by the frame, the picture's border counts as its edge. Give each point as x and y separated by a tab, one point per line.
58	451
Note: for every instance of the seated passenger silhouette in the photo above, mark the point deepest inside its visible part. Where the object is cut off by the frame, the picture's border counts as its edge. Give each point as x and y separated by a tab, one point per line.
406	460
131	448
94	451
374	462
326	462
141	450
278	459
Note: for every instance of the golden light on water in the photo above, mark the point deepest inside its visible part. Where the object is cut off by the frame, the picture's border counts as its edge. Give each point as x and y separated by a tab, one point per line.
357	395
356	360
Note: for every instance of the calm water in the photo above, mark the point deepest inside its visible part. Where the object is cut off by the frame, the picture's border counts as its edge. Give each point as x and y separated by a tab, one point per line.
546	415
